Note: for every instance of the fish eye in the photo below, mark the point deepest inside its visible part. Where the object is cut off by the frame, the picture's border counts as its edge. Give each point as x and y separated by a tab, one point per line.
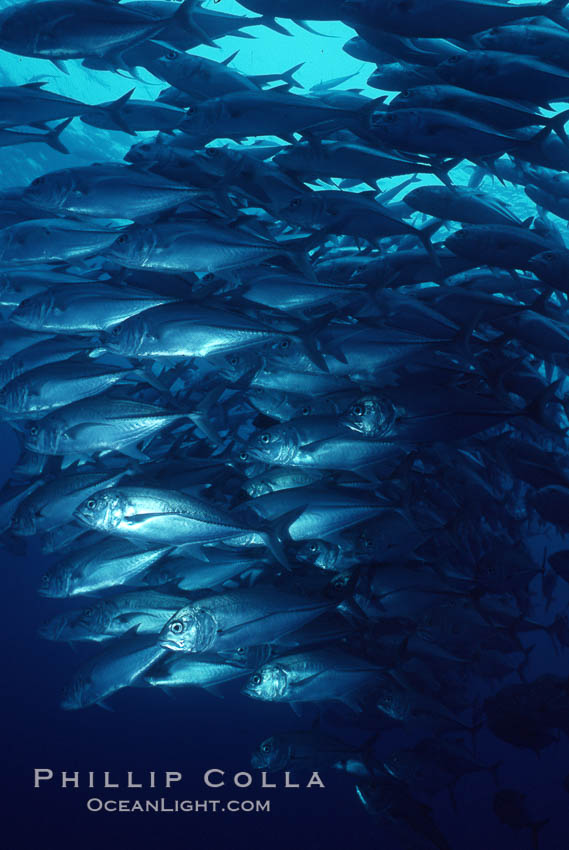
453	60
45	580
296	202
177	627
240	650
313	547
284	344
357	410
91	504
190	110
209	276
406	93
548	256
116	330
305	411
243	455
122	239
87	612
256	679
34	431
266	748
265	438
38	181
171	54
233	360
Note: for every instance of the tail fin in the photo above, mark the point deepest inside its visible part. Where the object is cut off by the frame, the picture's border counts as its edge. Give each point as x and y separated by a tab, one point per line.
52	138
554	10
536	409
113	110
275	532
184	16
557	125
287	76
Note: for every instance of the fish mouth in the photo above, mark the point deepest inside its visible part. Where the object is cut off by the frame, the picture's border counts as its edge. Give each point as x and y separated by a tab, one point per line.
172	643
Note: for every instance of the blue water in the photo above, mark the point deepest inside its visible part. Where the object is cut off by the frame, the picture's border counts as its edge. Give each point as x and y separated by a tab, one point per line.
195	731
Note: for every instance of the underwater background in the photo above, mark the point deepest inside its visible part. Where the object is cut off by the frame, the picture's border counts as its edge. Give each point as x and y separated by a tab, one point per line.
193	730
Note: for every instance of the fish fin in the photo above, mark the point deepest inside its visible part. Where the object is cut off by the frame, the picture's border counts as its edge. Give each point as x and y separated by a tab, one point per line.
60	65
557	125
275	531
104	705
133	452
52	138
554	10
270	22
113	110
286	76
184	16
297	708
230	58
215	690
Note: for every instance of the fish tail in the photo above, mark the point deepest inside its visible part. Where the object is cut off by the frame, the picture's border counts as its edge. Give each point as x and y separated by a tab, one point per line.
425	234
554	10
275	533
184	16
114	112
52	138
557	125
536	409
287	76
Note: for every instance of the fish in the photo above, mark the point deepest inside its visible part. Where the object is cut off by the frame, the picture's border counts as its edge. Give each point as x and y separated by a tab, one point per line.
283	367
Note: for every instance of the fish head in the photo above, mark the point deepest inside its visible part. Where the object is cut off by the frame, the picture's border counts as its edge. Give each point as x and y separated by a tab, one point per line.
395	124
273	445
133	247
462	240
54	629
272	754
191	629
371	415
460	67
55	583
268	683
173	66
104	510
202	118
16	33
303	210
248	657
95	619
14	397
32	312
391	702
492	39
548	264
49	191
142	152
238	364
43	438
127	337
321	553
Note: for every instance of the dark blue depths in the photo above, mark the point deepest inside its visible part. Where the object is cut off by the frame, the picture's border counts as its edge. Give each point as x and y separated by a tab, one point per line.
283	389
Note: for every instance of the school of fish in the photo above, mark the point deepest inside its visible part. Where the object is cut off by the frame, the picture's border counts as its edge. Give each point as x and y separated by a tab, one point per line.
289	381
